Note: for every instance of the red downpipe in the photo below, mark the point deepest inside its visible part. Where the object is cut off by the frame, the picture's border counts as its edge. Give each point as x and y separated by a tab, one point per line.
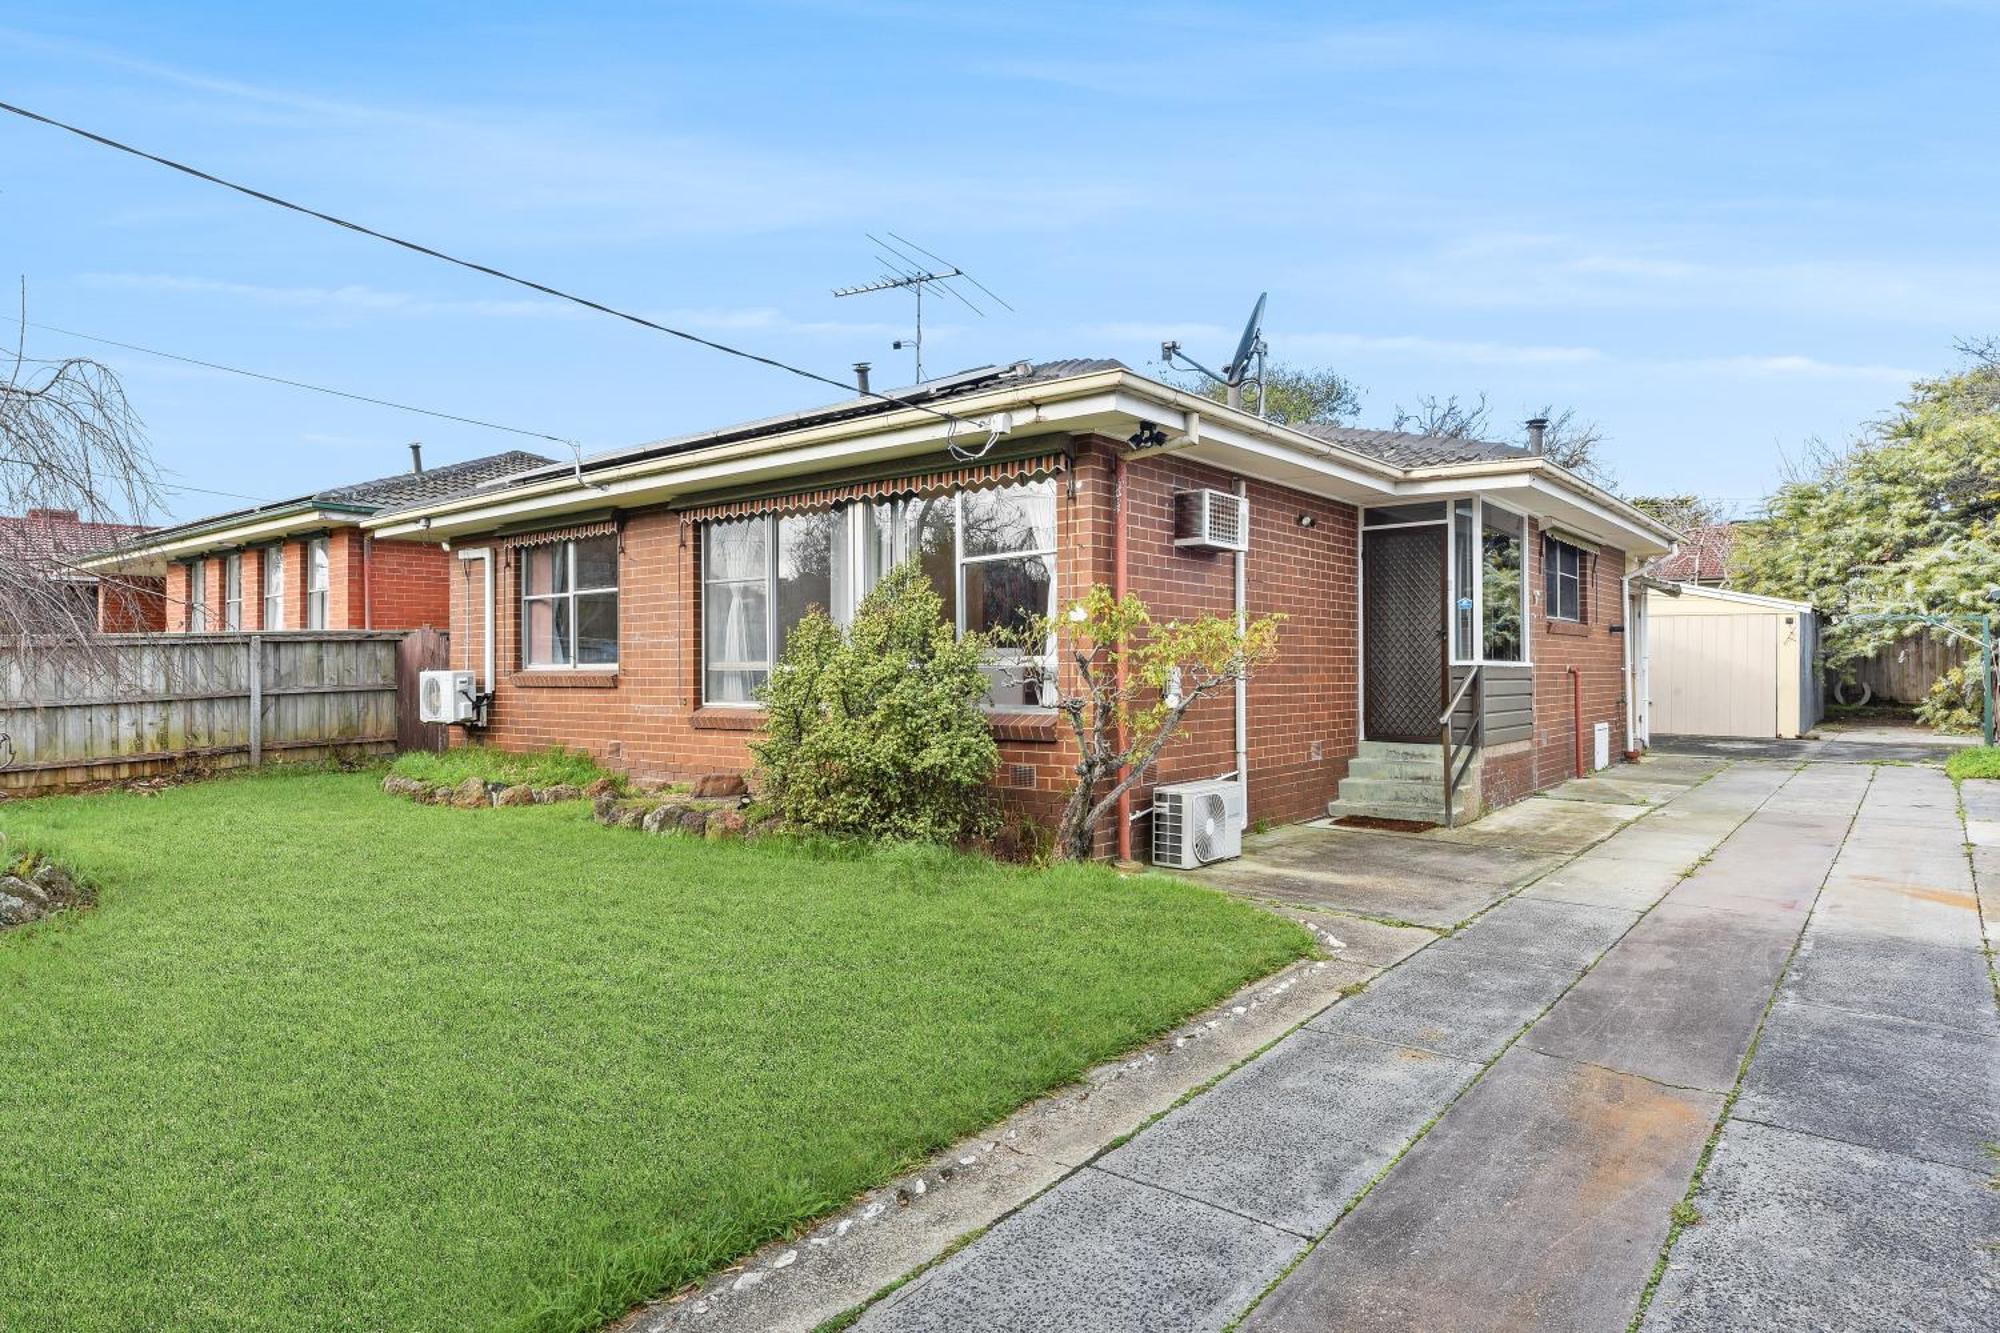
1118	591
1576	714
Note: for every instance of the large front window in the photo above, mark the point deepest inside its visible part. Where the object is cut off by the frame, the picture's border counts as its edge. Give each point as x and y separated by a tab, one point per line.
569	604
990	554
1488	583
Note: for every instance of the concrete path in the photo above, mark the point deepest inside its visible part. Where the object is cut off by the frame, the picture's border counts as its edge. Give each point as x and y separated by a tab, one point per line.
1494	1135
1848	1188
1187	1223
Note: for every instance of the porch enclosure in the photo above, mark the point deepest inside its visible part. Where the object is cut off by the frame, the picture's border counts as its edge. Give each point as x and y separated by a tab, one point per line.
151	703
1445	593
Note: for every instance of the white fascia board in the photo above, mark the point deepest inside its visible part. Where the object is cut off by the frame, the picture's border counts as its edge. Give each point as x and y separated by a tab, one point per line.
154	557
1544	492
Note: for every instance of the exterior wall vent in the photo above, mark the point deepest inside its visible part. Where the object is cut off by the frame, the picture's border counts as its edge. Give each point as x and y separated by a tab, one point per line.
1211	520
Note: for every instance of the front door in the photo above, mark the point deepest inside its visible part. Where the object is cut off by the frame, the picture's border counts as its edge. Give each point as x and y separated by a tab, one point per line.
1402	632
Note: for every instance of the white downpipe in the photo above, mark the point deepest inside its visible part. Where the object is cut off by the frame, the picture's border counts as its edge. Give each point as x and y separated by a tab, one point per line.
1632	745
1242	627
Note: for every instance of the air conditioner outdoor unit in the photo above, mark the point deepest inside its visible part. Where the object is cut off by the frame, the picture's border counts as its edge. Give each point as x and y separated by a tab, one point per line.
447	696
1198	822
1211	520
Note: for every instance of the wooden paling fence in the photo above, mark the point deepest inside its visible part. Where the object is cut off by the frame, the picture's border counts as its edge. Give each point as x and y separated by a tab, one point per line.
138	705
1904	671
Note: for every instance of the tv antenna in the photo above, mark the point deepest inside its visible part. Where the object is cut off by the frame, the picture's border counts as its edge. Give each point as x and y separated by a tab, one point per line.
903	271
1251	347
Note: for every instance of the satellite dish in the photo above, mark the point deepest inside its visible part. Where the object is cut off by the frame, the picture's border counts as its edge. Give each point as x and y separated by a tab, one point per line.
1239	365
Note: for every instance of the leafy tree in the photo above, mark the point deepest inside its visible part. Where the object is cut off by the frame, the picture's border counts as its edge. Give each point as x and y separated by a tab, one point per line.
1134	680
1906	521
1683	513
877	729
1294	395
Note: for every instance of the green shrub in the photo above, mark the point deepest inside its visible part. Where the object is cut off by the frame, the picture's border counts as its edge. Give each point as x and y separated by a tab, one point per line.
1980	761
877	729
537	768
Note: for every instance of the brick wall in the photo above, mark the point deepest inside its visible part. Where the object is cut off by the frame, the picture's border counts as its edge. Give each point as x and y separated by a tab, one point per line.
410	585
1599	658
131	604
647	718
396	585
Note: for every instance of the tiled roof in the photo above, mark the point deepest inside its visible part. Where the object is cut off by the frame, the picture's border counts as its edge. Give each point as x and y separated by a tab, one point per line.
1703	557
46	537
434	483
1407	450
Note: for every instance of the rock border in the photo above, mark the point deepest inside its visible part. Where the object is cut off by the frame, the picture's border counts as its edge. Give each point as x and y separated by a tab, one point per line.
36	889
713	817
477	793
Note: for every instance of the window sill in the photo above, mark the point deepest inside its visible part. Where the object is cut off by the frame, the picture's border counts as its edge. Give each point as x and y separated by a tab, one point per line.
725	718
559	679
1022	724
1568	629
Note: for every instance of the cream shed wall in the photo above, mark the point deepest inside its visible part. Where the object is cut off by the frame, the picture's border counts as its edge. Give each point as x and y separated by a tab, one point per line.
1731	664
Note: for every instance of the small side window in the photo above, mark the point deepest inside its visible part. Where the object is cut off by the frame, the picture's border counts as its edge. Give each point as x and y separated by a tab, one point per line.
1562	580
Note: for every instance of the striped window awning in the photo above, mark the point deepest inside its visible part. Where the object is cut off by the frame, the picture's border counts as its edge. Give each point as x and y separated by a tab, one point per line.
967	477
598	528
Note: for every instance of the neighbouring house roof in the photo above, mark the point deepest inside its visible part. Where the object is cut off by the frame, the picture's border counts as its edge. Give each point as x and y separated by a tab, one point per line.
53	539
344	504
1701	557
1015	408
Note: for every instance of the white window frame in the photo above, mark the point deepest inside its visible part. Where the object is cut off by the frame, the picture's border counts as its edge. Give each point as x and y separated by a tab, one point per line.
232	592
273	590
1553	608
1477	592
568	547
197	596
319	582
853	545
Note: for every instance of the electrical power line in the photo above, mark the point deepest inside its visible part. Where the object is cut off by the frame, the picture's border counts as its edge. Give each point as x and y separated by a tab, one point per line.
487	269
160	485
301	384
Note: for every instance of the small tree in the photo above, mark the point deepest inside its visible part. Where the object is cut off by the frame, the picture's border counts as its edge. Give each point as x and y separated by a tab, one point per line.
877	729
1119	734
1293	395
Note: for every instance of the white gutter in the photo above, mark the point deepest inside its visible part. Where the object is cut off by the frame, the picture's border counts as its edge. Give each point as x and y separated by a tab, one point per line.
153	557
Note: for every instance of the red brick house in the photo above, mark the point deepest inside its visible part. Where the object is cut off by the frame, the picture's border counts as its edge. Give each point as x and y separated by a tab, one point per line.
633	604
56	542
306	563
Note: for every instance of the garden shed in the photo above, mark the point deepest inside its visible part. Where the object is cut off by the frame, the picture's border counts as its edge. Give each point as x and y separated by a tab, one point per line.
1731	663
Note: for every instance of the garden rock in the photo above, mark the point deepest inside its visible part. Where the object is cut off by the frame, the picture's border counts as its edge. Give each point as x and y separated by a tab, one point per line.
470	794
17	887
563	791
521	794
397	785
18	911
712	785
695	822
602	787
660	817
723	824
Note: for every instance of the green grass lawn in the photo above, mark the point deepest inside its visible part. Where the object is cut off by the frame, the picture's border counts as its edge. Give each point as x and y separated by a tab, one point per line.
1981	761
323	1059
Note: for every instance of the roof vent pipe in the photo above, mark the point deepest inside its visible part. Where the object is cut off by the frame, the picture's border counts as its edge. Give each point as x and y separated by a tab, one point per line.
1537	428
861	376
416	455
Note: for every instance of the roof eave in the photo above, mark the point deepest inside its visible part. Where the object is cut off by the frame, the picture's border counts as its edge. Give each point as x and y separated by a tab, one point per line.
241	529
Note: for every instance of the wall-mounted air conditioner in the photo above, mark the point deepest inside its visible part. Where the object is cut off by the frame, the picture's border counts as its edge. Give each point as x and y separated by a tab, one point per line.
1211	520
447	696
1198	822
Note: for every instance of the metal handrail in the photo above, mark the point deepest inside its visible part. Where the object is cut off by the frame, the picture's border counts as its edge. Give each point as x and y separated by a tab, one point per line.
1454	769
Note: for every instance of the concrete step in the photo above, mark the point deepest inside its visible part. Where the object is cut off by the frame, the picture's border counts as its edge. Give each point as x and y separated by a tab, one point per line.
1426	814
1395	791
1370	766
1397	750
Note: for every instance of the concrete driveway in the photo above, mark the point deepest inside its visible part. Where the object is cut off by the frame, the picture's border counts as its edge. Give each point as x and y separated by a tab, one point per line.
1721	1054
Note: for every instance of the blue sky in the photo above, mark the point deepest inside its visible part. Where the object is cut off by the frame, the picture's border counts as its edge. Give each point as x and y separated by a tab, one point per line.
1716	230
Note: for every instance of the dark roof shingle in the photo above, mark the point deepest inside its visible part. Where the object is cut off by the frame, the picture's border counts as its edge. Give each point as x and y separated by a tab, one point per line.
1407	450
50	537
434	483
